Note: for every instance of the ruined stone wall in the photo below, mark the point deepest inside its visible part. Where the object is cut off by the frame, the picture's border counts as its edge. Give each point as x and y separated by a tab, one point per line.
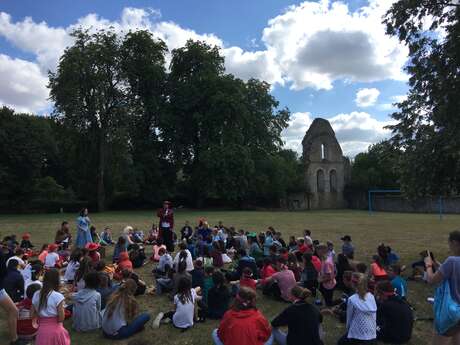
325	167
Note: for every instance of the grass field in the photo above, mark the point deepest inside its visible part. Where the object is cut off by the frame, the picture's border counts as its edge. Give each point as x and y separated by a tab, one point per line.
408	234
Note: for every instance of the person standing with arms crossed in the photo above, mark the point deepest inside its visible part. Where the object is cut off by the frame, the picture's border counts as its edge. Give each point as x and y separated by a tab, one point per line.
166	216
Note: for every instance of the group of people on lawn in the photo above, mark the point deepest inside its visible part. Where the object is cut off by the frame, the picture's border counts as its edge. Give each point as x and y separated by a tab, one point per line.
215	274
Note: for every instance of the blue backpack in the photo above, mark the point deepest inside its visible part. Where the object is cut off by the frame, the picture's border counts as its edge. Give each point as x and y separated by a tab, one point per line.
446	309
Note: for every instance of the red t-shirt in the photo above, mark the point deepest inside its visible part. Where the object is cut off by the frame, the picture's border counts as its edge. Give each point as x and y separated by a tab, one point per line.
267	271
248	282
303	248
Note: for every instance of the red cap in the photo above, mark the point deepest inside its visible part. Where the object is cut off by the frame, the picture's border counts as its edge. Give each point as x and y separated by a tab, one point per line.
92	246
26	236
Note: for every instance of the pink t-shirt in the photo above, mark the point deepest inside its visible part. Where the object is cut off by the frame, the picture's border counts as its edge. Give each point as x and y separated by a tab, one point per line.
327	268
286	281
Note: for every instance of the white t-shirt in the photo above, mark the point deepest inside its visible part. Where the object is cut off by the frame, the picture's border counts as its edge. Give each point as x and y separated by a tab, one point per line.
183	317
70	271
27	272
51	260
54	299
188	261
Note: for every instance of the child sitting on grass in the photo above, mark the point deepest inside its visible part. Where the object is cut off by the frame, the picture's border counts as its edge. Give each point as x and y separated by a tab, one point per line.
165	259
218	297
247	279
123	264
184	302
398	283
26	328
87	305
72	266
243	323
52	259
121	319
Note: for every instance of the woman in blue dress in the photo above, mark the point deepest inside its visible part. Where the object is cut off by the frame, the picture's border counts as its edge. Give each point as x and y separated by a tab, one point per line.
83	231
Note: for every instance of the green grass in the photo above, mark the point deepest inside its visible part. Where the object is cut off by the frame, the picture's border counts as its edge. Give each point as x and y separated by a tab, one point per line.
408	234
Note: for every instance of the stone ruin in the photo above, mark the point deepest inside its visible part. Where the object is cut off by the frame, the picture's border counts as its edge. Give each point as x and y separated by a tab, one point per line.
326	170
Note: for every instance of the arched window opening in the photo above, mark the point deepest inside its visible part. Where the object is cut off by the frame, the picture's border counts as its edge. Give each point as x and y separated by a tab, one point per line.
333	180
320	181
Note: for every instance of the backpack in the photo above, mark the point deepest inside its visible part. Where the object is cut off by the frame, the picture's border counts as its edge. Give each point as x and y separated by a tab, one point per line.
446	309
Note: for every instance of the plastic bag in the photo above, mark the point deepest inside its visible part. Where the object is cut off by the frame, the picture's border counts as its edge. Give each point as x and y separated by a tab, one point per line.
446	309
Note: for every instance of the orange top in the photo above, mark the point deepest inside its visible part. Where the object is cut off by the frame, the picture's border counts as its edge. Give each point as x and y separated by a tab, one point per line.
377	271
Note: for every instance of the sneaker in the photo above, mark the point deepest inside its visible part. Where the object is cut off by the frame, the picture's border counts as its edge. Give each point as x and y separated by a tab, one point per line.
156	322
318	302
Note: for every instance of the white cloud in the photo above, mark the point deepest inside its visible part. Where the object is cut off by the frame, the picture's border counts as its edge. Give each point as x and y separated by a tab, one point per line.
311	44
398	98
23	85
317	43
245	65
355	131
366	97
391	106
45	42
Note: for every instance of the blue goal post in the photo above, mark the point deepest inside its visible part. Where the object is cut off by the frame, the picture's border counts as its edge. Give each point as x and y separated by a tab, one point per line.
384	191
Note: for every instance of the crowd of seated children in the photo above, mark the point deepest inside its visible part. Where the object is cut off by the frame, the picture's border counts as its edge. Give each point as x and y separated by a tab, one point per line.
201	273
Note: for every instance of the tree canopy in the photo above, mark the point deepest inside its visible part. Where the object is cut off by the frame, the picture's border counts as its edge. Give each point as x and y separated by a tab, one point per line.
428	122
128	130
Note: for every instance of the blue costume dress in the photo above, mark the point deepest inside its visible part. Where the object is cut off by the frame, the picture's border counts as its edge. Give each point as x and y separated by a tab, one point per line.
83	232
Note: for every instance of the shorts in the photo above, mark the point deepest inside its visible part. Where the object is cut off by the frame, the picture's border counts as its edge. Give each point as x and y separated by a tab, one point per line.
3	294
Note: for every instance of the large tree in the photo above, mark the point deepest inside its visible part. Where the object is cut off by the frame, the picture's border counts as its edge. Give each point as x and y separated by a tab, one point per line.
89	94
378	168
143	64
218	125
428	122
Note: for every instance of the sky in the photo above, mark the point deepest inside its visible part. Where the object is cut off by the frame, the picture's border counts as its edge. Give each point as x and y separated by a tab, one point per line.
325	58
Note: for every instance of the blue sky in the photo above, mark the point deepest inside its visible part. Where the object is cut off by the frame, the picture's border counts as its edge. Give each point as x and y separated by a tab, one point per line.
323	58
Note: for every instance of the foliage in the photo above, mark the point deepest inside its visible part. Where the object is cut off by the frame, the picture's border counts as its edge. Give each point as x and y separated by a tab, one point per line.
378	168
217	125
125	132
29	157
428	122
90	95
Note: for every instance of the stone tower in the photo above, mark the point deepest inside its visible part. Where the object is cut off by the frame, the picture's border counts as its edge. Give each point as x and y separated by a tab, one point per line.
326	169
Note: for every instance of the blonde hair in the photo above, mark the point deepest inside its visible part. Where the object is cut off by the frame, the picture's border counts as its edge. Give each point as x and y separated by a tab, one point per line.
300	293
124	296
360	281
127	229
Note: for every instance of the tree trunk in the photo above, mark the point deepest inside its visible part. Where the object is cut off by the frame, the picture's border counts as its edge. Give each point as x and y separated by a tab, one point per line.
100	174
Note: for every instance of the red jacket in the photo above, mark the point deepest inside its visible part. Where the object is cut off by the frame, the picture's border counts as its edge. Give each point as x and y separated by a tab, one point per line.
123	264
244	327
166	217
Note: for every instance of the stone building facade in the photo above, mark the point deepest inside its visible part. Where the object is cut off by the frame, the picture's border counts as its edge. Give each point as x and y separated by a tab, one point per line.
326	170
